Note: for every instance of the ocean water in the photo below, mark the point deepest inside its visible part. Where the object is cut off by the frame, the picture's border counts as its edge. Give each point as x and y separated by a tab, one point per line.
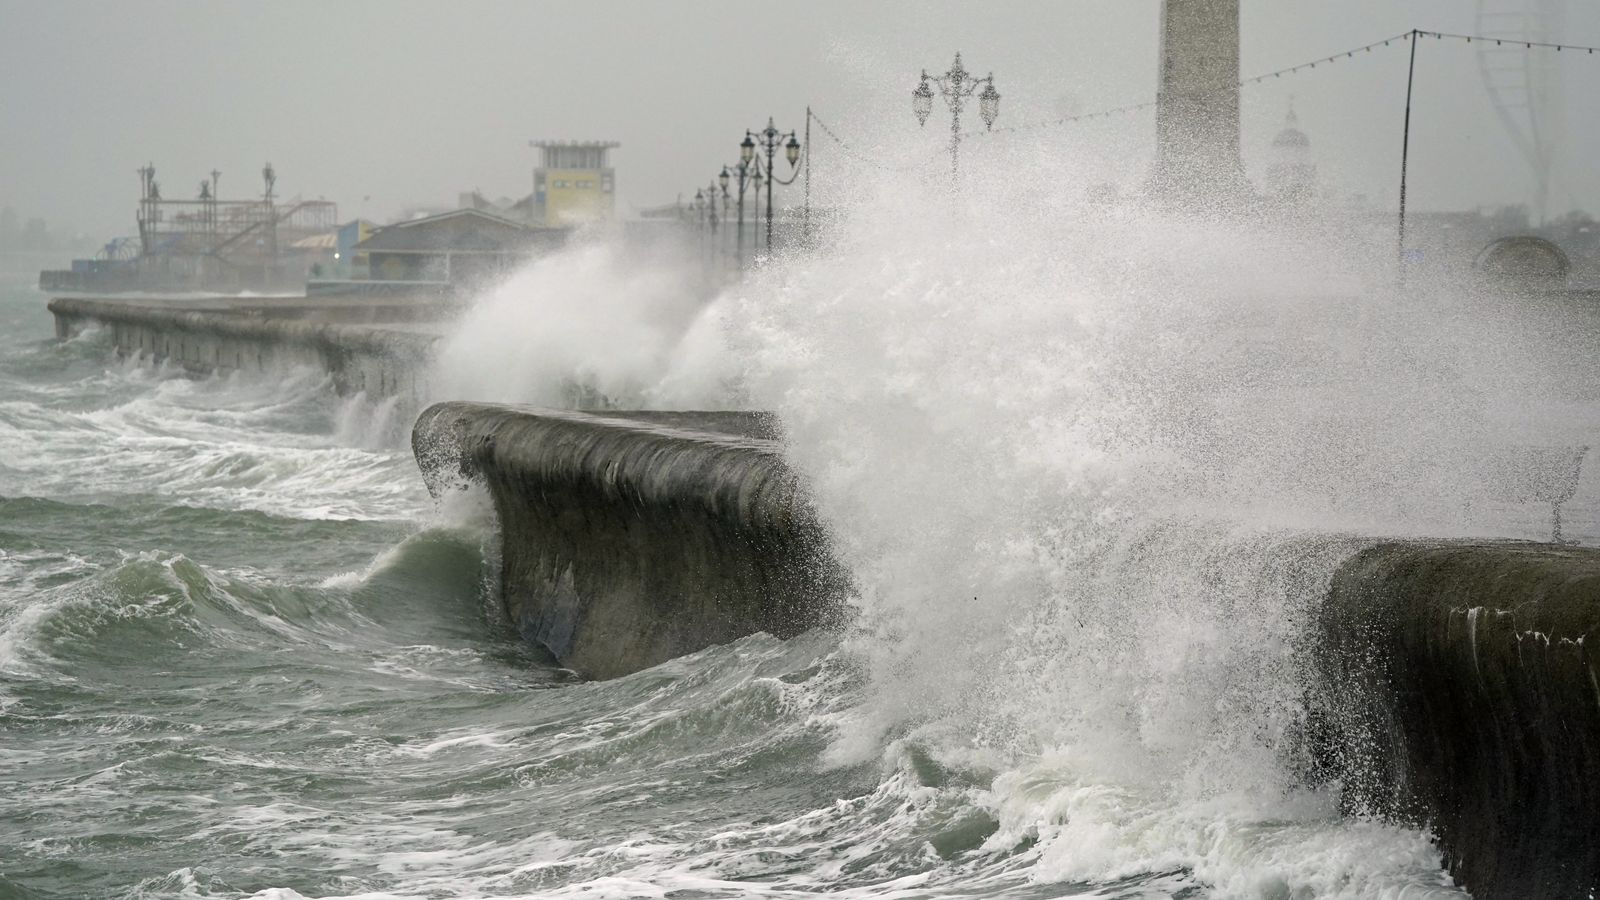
242	654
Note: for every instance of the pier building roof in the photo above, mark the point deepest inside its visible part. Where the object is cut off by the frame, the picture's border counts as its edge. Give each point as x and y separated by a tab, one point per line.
459	246
459	231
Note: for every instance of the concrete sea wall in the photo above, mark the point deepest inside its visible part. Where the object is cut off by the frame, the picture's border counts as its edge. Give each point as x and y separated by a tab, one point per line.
262	334
1453	686
1460	691
633	538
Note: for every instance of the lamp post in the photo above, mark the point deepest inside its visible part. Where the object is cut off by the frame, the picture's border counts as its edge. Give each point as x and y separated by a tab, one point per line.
756	181
705	206
723	178
956	86
717	195
744	173
269	177
707	197
769	139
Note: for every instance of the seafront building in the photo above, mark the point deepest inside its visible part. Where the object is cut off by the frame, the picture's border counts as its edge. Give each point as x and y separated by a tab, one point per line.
1292	173
574	184
462	246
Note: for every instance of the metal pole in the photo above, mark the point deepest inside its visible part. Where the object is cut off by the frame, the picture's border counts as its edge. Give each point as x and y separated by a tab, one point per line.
955	144
216	198
1405	153
772	149
740	240
270	265
805	228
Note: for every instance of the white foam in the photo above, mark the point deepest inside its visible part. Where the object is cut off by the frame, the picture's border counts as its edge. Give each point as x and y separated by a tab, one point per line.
231	442
601	320
1078	462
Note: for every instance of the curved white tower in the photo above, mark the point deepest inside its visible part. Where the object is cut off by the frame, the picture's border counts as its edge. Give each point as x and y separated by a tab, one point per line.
1525	85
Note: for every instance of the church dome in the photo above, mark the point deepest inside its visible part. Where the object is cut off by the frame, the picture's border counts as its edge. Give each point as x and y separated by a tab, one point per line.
1292	176
1291	137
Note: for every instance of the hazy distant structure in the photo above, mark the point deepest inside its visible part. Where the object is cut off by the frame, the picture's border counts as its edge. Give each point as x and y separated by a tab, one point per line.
214	241
1524	261
463	246
1292	174
574	183
1525	86
1197	104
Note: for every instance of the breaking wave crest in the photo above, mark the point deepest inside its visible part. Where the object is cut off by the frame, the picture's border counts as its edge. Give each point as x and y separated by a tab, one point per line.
1091	468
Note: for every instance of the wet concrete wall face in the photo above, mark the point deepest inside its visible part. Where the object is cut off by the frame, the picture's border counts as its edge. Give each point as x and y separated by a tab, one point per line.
1453	686
360	358
1460	691
632	539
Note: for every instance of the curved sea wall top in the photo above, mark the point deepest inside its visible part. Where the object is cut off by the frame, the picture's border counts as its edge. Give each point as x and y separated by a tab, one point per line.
373	345
632	538
254	325
1453	686
1461	690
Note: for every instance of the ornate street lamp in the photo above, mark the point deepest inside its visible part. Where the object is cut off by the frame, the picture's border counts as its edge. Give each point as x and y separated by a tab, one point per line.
724	179
956	86
712	195
705	206
768	140
744	173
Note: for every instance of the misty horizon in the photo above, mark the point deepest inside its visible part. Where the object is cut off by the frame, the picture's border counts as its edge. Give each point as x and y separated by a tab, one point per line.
387	109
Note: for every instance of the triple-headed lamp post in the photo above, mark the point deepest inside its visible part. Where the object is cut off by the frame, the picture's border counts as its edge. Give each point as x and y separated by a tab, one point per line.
769	139
956	86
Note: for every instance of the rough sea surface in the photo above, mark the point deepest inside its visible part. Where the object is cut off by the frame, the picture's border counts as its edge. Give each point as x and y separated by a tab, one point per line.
242	654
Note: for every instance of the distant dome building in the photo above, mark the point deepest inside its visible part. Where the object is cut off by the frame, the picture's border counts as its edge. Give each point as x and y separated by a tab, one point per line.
1292	175
1526	262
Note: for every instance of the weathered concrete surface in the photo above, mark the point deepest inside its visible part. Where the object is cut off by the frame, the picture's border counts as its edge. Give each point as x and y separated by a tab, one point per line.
633	538
1453	684
349	340
1460	690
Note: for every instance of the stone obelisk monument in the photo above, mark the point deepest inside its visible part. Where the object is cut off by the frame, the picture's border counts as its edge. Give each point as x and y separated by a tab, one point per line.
1197	105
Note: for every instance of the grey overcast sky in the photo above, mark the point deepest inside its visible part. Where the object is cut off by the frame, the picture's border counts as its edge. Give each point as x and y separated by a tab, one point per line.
385	105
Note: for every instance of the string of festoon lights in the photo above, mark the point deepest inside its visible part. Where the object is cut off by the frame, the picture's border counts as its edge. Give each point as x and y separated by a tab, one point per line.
1352	53
1402	39
863	158
1254	79
1122	110
1129	108
1505	42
